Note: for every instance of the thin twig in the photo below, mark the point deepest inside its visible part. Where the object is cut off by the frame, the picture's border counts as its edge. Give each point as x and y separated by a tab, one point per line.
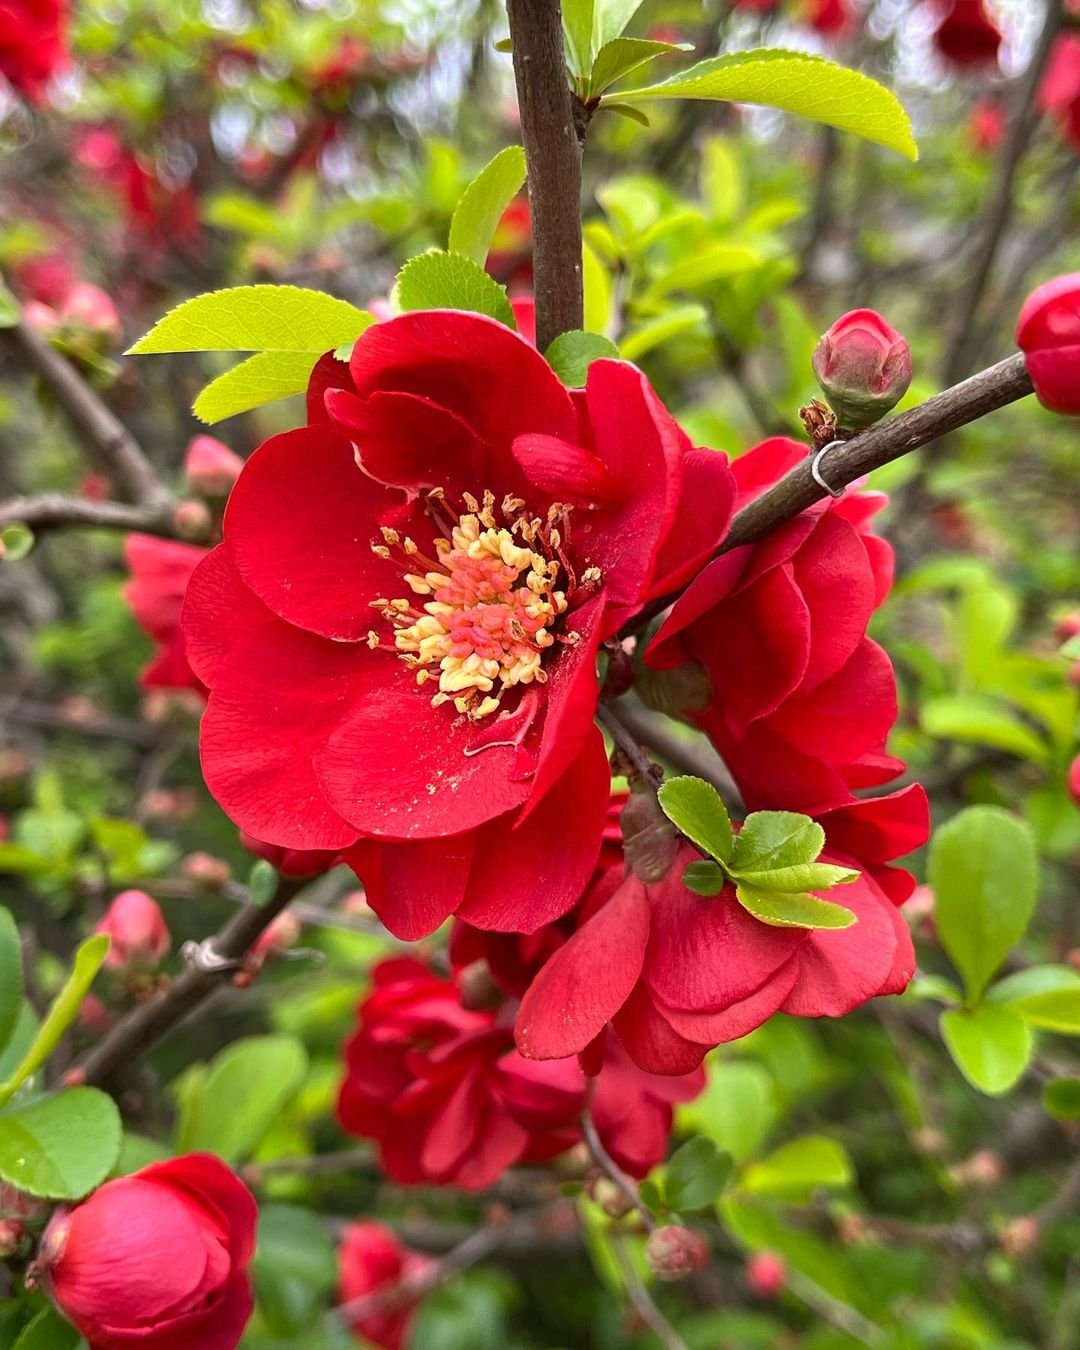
643	1303
627	743
613	1171
54	510
696	757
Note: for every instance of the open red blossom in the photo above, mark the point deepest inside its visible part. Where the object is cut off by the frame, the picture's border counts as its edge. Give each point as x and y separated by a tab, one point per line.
160	572
801	699
33	43
372	1259
828	17
400	629
157	1260
449	1101
967	36
675	973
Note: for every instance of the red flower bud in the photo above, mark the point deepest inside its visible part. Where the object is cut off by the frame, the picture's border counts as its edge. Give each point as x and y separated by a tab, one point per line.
139	933
766	1274
864	367
88	306
1020	1237
1048	333
156	1260
372	1259
1068	626
210	468
1073	780
193	521
206	870
298	863
674	1252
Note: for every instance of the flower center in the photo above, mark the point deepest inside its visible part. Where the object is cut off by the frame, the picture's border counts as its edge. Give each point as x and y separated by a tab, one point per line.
488	601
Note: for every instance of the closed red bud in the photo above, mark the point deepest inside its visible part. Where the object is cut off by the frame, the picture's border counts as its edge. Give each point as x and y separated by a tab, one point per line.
156	1260
210	467
206	870
193	521
94	1017
1020	1237
1048	333
1068	626
673	1253
1073	780
611	1197
139	933
766	1274
88	306
282	934
373	1259
984	1168
864	367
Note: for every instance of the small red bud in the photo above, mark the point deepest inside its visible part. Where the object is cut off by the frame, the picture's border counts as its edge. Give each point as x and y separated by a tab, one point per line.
94	1017
139	933
1020	1237
673	1253
983	1169
206	870
210	468
1072	780
766	1273
864	367
193	521
611	1197
1068	626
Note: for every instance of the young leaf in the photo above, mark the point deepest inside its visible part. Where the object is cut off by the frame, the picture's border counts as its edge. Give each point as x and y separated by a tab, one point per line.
16	541
696	810
696	1174
737	1108
625	110
770	840
1035	980
262	882
622	55
674	320
11	977
588	25
60	1147
48	1331
794	82
984	874
705	878
571	354
259	379
786	909
799	1167
439	280
483	202
256	319
798	877
1061	1098
991	1045
1056	1010
62	1012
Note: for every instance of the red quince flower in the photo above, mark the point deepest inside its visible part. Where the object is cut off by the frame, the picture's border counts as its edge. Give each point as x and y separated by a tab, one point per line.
986	127
157	1260
400	629
372	1258
864	366
33	43
292	862
1059	92
801	699
828	17
139	935
160	572
449	1101
1048	333
1072	780
967	36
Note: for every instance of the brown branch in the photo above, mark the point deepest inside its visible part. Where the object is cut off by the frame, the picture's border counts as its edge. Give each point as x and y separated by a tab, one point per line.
696	757
148	1023
974	398
54	511
27	712
611	1169
1001	203
553	154
109	442
627	744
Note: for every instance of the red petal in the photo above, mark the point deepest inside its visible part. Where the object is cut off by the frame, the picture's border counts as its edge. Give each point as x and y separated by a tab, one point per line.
563	472
329	373
650	1040
712	587
847	714
219	610
833	573
299	528
406	440
879	829
765	464
413	888
209	1181
739	1019
701	521
587	981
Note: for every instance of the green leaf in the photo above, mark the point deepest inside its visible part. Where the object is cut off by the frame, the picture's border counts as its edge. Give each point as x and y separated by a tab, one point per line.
439	280
787	909
991	1045
1061	1098
625	110
483	202
696	810
1035	980
622	55
22	861
256	319
772	840
260	379
811	876
262	882
799	1167
241	1094
16	541
736	1110
936	987
11	977
21	1040
48	1331
809	86
700	269
62	1012
9	308
1057	1010
571	354
984	874
295	1268
696	1175
978	719
60	1147
705	878
596	280
589	25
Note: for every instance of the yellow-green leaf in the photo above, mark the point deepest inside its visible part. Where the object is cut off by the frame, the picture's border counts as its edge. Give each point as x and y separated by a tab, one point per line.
483	202
260	379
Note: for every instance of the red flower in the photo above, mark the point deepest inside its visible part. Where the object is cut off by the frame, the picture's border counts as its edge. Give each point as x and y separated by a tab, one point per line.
675	973
801	699
1048	333
864	366
1059	93
160	572
157	1260
1072	780
967	36
449	1101
372	1259
828	17
987	125
292	862
400	629
139	933
210	467
33	43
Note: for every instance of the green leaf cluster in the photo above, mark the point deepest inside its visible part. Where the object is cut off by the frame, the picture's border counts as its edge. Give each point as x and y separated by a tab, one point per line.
772	861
